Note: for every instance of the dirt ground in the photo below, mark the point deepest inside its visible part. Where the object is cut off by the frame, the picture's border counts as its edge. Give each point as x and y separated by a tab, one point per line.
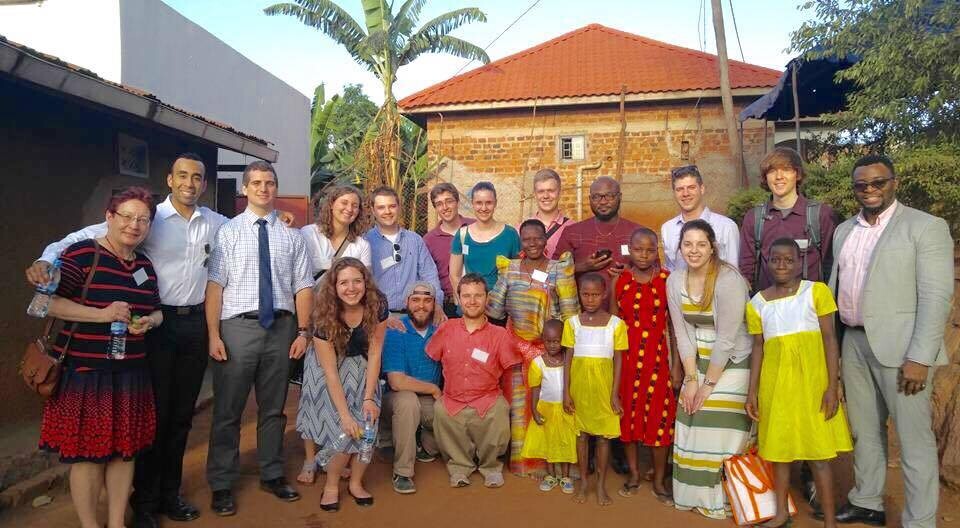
434	504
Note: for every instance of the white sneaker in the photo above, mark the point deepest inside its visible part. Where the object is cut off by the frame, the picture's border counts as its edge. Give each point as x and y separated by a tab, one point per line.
493	480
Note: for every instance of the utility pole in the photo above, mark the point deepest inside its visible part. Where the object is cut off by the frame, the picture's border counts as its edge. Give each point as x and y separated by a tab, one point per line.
726	97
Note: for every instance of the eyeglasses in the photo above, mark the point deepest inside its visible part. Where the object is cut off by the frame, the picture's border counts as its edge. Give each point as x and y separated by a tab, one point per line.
449	202
862	186
604	197
142	221
396	253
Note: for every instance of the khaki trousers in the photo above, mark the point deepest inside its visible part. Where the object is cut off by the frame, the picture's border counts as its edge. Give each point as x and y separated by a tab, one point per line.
466	437
407	411
872	397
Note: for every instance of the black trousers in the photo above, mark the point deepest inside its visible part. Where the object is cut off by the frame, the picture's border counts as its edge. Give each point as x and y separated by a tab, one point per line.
177	355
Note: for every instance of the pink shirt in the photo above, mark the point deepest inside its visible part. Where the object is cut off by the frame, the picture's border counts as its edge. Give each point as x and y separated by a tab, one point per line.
854	262
563	221
472	363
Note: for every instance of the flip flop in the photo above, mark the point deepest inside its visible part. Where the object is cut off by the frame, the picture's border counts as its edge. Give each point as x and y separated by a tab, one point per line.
628	490
665	498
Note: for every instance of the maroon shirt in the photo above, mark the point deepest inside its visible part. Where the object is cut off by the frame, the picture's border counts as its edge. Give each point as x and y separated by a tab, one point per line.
584	238
792	225
438	244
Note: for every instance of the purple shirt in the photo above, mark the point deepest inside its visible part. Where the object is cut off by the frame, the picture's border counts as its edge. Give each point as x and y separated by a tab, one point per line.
792	225
438	244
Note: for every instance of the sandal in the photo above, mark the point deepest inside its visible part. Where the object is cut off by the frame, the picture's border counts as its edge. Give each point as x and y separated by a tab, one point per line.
308	473
665	498
628	489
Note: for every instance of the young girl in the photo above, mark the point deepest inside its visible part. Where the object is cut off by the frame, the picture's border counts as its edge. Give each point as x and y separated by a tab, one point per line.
592	378
552	436
639	297
794	394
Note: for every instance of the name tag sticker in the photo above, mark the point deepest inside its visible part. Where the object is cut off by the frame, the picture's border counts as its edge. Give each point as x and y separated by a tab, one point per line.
140	276
624	250
466	250
540	276
387	262
803	243
479	355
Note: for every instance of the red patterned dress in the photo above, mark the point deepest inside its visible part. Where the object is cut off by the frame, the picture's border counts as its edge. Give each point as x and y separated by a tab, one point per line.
646	392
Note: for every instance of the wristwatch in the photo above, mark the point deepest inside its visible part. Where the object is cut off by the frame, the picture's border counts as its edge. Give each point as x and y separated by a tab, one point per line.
709	383
303	331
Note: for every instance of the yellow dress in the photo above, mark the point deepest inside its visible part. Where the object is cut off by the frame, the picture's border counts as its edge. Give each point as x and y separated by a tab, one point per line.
793	377
556	440
591	373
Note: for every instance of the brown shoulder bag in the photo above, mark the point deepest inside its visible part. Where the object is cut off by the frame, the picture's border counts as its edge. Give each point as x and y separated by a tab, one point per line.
40	370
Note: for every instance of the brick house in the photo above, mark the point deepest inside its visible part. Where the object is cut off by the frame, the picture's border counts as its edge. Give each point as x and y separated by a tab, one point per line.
584	103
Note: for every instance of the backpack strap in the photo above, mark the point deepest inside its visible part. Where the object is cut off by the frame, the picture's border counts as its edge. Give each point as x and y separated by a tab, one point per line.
759	216
813	233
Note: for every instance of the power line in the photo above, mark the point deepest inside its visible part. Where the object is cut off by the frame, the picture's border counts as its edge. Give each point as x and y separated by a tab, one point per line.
736	31
534	4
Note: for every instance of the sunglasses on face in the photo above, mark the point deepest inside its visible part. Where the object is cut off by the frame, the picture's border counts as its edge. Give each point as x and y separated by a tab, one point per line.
862	186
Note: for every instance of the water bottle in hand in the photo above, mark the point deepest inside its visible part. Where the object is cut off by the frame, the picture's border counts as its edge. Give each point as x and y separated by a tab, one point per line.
367	441
40	304
328	451
118	340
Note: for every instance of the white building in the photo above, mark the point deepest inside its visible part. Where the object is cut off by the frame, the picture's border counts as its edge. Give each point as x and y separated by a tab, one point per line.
148	45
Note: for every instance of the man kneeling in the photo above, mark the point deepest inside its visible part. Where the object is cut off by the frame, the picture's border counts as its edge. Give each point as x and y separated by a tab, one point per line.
473	420
414	381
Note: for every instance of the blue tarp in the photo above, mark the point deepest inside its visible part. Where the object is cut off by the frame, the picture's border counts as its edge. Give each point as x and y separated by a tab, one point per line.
816	91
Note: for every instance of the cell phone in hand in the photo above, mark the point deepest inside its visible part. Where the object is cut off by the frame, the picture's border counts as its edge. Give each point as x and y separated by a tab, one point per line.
603	253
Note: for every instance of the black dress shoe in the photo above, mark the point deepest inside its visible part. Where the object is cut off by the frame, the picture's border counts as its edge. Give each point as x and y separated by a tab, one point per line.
280	489
361	501
177	509
849	513
142	519
223	503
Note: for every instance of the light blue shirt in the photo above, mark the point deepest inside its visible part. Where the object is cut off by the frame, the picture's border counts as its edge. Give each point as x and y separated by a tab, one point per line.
235	264
415	264
728	239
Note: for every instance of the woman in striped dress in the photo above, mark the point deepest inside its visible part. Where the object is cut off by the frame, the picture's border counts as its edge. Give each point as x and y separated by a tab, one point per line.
707	301
531	291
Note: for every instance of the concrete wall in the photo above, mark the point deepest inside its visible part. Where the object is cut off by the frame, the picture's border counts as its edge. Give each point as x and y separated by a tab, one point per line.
509	146
186	66
58	158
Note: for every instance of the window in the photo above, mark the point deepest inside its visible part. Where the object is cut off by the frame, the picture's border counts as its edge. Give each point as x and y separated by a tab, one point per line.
572	148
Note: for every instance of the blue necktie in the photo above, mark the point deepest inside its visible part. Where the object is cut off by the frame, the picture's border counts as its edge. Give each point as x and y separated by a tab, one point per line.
266	281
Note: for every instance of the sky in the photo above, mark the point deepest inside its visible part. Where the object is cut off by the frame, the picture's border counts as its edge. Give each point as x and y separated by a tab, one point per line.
304	57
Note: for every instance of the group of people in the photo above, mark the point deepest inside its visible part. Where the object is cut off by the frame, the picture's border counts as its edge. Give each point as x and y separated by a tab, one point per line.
541	346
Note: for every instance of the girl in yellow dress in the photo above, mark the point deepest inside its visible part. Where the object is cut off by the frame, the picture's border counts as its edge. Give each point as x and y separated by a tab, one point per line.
552	435
794	392
597	340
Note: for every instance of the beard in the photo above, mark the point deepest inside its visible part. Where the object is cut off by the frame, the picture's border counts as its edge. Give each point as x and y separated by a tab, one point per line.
421	320
608	216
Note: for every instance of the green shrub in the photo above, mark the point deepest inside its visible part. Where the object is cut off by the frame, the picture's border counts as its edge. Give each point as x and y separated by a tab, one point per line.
743	200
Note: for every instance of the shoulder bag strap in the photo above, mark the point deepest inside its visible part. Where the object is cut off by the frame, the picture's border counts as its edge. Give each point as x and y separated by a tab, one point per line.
759	215
556	226
341	249
83	295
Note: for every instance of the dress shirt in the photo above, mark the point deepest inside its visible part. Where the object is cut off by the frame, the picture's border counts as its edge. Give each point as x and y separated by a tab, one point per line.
473	363
177	247
321	251
415	264
563	221
234	264
405	352
855	258
438	243
728	239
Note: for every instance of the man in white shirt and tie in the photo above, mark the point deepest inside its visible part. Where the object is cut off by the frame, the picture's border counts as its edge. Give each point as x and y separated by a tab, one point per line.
688	190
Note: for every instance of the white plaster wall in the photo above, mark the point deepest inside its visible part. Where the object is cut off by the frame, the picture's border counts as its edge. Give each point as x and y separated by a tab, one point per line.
82	32
183	64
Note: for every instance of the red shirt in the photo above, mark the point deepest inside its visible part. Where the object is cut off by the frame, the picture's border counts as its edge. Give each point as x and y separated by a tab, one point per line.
472	363
584	238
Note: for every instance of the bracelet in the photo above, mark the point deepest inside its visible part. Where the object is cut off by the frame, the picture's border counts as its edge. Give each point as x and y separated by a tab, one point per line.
303	333
370	399
689	377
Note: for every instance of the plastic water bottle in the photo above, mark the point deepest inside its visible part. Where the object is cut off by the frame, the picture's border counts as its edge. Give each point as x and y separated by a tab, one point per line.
118	340
40	304
330	450
367	441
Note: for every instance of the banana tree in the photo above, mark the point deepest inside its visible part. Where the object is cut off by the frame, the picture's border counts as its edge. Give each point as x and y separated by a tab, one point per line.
387	41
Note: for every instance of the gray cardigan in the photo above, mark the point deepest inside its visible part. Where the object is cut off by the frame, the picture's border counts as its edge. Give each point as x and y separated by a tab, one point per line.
729	302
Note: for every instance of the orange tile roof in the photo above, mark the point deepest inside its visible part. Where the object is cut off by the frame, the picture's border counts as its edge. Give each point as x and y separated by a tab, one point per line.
591	61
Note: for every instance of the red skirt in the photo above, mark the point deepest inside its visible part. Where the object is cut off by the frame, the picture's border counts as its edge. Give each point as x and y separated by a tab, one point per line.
98	415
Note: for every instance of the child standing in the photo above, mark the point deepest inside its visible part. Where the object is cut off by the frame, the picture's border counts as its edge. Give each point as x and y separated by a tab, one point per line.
794	393
639	297
592	378
552	435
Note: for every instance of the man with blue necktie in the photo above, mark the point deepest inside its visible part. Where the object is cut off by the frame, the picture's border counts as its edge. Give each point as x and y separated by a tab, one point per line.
259	280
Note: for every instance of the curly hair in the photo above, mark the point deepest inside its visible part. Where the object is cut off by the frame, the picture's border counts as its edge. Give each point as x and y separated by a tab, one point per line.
325	216
328	308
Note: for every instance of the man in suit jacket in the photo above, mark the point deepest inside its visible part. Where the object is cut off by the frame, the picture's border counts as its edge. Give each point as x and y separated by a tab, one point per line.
893	276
